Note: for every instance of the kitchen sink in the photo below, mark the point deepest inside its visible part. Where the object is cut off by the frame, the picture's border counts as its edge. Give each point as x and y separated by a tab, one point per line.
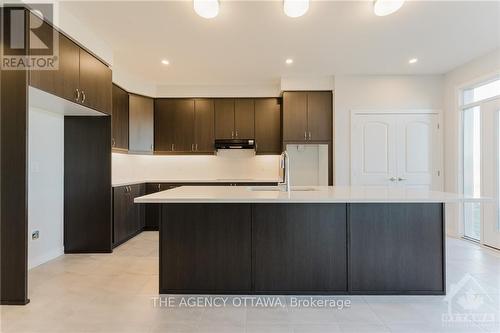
280	189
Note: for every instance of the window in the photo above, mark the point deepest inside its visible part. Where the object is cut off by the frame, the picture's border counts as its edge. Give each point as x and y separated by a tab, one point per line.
481	92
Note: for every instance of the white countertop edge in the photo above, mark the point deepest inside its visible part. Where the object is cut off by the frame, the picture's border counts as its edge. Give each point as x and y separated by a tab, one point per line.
170	201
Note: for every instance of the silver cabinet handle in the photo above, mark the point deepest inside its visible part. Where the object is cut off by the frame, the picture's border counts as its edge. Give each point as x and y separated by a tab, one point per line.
196	147
173	147
393	179
305	135
152	147
83	96
192	147
309	135
236	133
77	95
113	142
400	179
232	134
159	187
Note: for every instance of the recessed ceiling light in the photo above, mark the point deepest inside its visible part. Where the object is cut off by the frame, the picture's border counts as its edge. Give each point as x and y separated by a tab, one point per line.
289	61
295	8
206	8
386	7
413	61
165	62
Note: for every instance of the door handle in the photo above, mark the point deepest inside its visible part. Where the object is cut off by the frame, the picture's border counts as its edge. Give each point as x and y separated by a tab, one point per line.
400	179
393	179
83	96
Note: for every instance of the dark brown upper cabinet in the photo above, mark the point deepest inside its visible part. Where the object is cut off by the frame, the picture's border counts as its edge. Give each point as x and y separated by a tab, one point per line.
244	118
234	118
95	83
174	125
80	77
64	81
120	119
141	124
224	118
267	126
204	125
307	116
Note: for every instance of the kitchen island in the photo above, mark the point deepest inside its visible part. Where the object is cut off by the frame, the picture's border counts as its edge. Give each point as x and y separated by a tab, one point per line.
312	240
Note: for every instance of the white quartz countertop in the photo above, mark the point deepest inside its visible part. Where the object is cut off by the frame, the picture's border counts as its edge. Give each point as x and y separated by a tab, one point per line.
125	182
328	194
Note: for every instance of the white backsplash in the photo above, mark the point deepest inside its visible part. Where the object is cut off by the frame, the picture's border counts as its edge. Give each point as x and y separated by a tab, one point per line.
227	164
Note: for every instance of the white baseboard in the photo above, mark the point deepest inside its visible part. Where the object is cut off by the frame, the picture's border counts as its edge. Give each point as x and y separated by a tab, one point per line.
44	257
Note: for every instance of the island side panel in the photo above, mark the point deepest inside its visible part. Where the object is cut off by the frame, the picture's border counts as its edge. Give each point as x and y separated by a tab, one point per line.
205	248
396	248
300	248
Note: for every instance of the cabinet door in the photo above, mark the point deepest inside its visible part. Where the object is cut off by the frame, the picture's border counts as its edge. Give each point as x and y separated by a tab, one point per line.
319	116
299	247
205	248
294	116
95	83
396	248
267	126
138	222
121	213
244	118
204	125
174	125
152	210
141	120
224	118
64	81
120	119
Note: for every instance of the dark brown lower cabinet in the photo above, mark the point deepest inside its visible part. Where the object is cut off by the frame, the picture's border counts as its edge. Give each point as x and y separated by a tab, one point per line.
300	247
205	248
152	220
396	248
128	217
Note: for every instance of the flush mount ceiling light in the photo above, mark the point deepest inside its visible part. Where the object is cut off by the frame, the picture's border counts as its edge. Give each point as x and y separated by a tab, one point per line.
386	7
295	8
289	61
206	8
165	62
413	61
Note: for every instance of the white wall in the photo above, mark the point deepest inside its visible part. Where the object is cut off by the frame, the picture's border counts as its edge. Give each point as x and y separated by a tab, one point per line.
377	92
45	185
234	164
472	72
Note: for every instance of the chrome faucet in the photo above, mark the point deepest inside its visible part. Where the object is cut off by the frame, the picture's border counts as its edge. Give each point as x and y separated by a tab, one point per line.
285	167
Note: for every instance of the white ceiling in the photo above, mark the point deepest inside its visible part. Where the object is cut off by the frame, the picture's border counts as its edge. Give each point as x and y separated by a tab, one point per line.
249	41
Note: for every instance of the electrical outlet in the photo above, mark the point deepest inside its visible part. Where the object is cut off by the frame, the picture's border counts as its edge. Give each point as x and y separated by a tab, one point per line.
35	235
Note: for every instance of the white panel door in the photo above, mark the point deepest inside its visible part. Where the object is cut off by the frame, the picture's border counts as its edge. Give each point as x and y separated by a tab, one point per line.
417	150
395	149
373	150
490	166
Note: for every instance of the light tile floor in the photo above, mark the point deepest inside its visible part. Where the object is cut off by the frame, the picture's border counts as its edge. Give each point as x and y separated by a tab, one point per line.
113	293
